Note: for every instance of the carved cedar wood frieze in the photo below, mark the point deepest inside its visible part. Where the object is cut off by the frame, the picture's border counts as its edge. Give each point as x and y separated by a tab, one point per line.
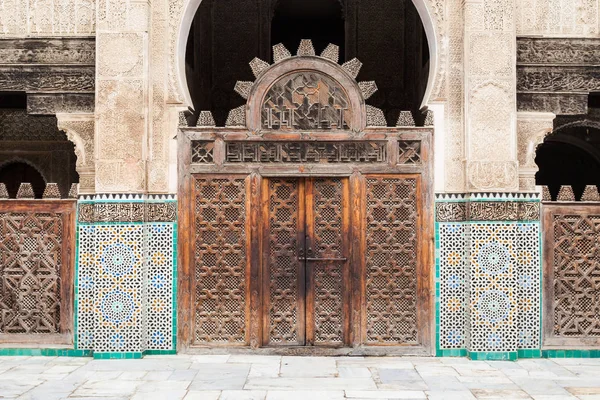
48	51
561	78
306	152
48	78
558	51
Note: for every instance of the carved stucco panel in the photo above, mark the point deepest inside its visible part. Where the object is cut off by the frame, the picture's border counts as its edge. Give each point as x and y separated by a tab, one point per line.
564	17
492	54
47	17
491	111
120	54
80	130
120	176
120	113
160	134
454	143
532	128
493	175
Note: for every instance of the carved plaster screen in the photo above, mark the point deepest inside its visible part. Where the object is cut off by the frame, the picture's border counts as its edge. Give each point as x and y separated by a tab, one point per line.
35	271
305	261
572	275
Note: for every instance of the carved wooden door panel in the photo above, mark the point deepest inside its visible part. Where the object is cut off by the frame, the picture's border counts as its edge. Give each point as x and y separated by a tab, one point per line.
305	223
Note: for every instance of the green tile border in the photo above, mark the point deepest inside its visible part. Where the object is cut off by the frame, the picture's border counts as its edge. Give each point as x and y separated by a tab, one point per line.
492	355
45	352
595	353
118	356
451	353
160	352
529	353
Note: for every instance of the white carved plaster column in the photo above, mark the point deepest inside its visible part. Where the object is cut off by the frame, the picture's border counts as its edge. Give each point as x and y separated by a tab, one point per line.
532	128
80	130
490	95
454	141
121	95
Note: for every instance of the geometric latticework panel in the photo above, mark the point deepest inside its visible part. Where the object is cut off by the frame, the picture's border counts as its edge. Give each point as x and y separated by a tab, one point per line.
493	312
30	266
391	260
529	285
452	284
576	302
160	265
220	260
86	286
328	277
285	270
120	295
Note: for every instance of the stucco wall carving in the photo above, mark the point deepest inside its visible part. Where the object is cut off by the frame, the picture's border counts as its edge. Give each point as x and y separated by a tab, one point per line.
492	107
532	127
122	95
559	17
80	130
493	175
490	44
454	146
47	17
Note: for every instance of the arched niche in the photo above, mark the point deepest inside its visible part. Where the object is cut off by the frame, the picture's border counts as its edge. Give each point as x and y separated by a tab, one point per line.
570	156
425	9
17	170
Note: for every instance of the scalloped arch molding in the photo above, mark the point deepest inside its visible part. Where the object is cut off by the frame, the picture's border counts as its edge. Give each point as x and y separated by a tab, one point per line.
425	8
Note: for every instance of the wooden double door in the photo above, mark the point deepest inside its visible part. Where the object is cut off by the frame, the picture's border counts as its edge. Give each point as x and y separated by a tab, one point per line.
306	272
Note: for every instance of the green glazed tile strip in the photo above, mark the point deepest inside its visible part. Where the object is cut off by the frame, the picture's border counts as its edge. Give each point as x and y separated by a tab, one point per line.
45	352
493	355
116	356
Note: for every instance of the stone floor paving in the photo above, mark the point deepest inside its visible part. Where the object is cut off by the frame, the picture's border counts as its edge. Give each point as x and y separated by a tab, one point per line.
237	377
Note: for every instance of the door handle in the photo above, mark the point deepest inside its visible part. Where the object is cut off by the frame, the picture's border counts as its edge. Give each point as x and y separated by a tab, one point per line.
308	259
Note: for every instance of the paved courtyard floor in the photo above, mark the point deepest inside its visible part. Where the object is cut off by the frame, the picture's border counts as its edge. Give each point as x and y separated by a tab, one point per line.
235	377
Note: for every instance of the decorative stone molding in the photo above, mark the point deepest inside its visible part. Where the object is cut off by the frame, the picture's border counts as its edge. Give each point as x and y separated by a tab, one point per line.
73	191
47	18
493	175
3	191
80	130
590	194
557	17
565	194
51	191
532	128
490	95
25	191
